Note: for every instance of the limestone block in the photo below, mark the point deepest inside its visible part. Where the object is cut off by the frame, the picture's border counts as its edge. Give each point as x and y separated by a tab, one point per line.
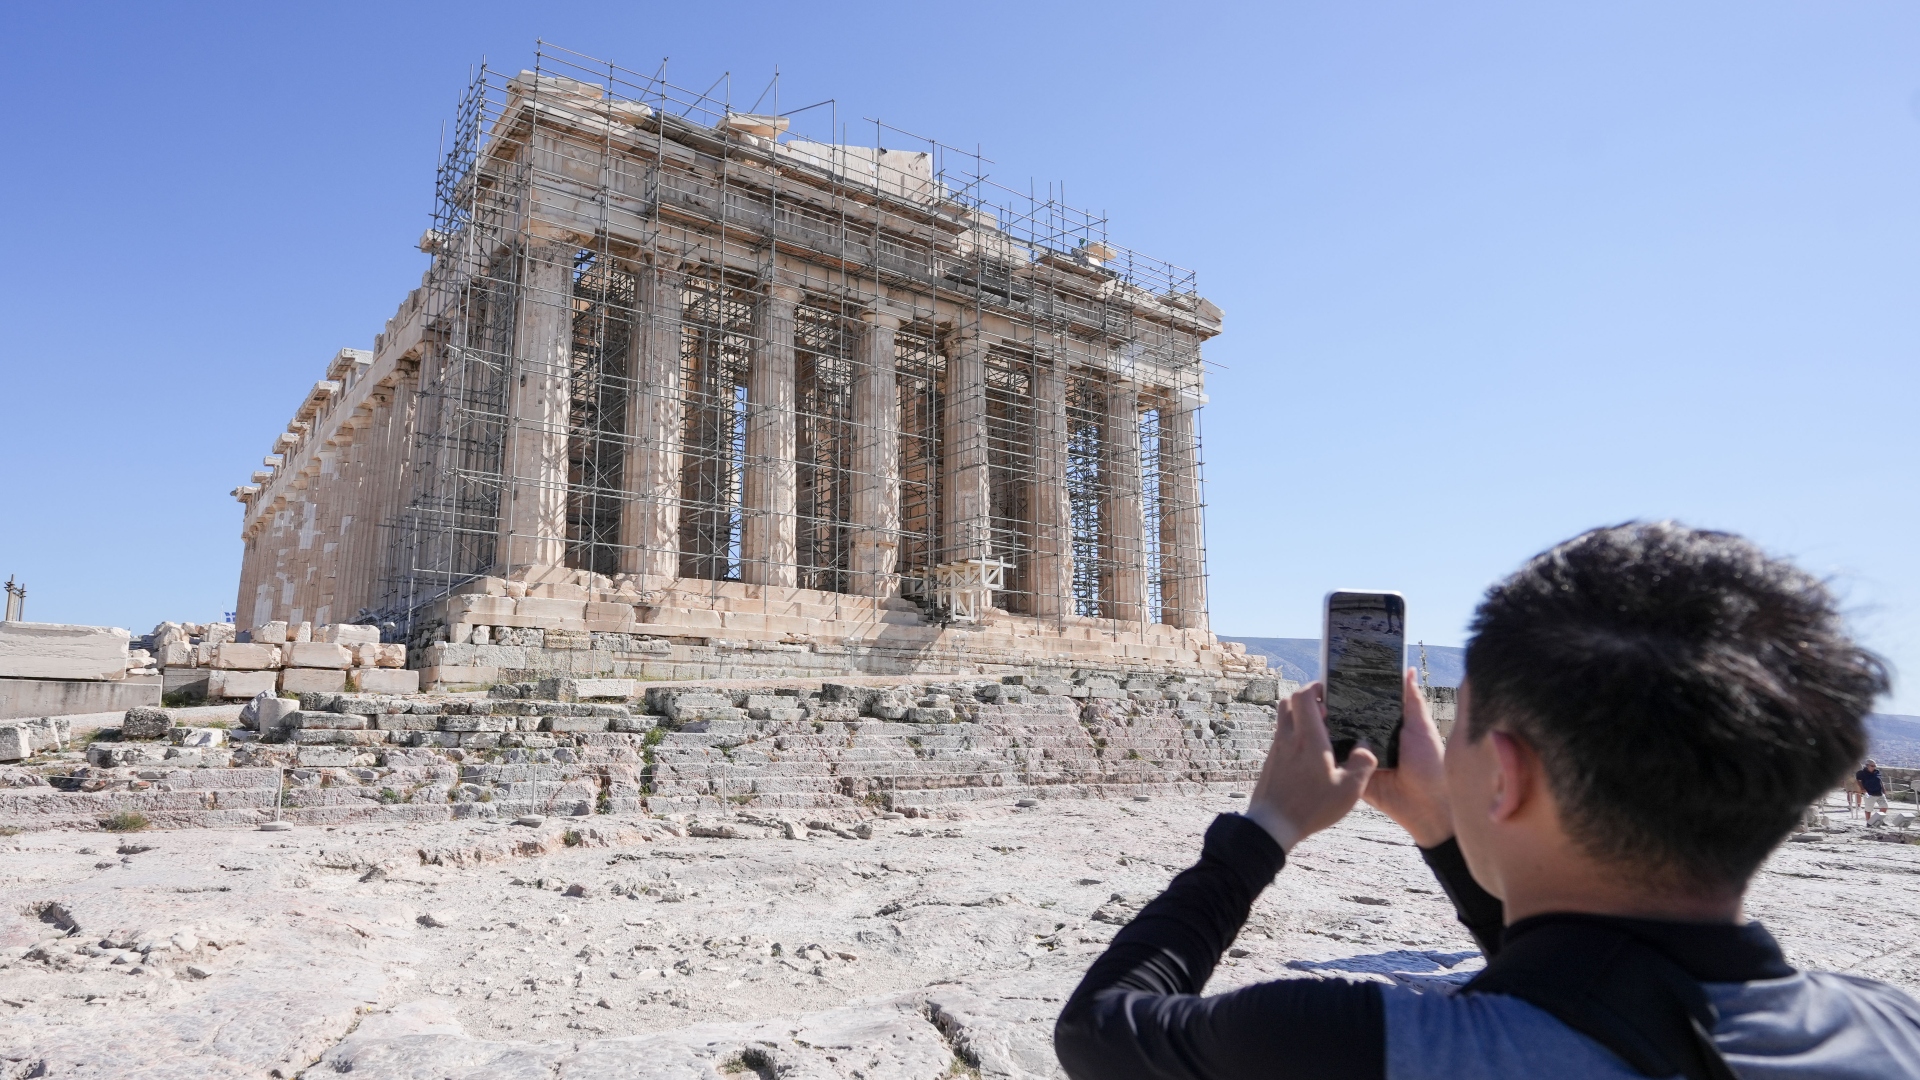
271	713
176	654
700	618
584	663
557	590
465	724
349	634
311	680
677	703
318	654
199	738
459	676
222	683
336	737
273	633
601	688
615	612
390	656
386	680
215	633
480	609
447	654
550	611
300	632
15	742
499	656
1261	691
144	722
62	651
191	681
303	720
233	656
46	733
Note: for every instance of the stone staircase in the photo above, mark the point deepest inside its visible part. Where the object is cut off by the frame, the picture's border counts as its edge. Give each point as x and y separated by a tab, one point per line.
677	751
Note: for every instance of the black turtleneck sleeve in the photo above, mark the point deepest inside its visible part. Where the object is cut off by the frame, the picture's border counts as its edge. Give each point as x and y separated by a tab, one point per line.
1478	910
1139	1013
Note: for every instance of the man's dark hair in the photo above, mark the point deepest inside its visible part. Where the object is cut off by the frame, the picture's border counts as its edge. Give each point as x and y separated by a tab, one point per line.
1688	696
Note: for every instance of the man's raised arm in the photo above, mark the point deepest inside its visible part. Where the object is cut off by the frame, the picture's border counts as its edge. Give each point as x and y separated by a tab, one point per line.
1138	1012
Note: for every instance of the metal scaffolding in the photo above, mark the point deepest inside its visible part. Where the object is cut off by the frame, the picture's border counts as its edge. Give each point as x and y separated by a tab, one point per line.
656	325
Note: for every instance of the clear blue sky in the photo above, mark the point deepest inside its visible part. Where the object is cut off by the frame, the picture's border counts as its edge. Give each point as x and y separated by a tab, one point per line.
1493	273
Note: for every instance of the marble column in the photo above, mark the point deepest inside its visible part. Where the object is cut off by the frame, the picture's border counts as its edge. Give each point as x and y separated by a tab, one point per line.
1051	575
876	459
1126	551
1183	547
767	552
331	489
650	521
965	507
380	473
533	499
393	459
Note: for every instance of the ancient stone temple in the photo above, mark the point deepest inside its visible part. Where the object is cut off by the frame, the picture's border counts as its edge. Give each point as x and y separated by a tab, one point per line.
686	394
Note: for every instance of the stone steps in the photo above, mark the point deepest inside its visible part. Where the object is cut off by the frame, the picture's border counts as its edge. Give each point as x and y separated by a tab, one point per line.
363	758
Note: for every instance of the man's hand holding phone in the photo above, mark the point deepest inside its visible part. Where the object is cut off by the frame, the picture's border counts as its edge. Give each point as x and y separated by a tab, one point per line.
1414	792
1303	790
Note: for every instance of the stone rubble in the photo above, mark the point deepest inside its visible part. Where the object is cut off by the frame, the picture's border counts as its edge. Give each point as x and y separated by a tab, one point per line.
210	663
569	748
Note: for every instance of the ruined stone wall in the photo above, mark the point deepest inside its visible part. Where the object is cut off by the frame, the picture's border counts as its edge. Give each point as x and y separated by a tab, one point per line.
679	750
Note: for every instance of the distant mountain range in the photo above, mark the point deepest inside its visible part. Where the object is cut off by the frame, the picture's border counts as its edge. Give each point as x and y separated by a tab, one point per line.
1299	658
1894	740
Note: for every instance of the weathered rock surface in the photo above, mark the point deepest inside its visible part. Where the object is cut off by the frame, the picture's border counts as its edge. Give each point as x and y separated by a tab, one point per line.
619	945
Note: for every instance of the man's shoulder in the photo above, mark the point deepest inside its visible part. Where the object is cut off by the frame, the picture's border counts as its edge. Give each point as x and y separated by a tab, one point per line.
1809	1024
1484	1036
1881	997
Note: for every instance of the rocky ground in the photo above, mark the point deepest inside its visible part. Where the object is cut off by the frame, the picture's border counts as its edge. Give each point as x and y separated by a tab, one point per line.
867	947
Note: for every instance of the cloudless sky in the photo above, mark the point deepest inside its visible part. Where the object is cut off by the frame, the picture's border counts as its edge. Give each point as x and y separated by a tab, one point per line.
1493	272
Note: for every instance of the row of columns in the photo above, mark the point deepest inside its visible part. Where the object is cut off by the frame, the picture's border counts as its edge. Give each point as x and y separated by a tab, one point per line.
534	499
318	556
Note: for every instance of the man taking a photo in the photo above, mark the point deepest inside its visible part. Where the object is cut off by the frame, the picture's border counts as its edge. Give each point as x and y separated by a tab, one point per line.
1647	711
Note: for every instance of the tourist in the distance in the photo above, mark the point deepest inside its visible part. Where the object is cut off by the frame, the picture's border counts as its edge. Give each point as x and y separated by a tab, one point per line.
1647	711
1851	788
1873	791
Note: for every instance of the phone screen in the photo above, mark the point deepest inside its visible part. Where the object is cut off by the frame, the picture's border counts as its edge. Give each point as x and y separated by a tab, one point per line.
1365	651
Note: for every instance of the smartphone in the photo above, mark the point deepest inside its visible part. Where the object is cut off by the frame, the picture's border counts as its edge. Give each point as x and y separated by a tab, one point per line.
1363	656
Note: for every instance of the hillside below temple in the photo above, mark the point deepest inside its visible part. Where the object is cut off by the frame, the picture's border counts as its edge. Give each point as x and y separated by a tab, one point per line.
685	396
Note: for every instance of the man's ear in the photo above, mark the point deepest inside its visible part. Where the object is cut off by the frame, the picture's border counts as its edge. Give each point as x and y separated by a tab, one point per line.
1513	777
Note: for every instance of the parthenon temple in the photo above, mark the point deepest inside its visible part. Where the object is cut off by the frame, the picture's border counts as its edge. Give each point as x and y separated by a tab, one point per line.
693	394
